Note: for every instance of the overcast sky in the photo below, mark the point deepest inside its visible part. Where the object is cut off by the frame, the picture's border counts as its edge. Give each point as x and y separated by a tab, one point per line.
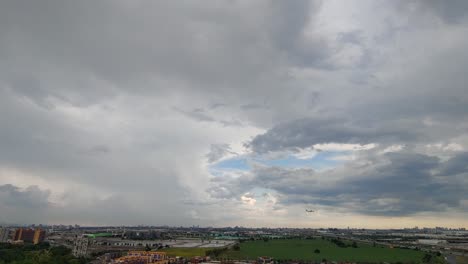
216	113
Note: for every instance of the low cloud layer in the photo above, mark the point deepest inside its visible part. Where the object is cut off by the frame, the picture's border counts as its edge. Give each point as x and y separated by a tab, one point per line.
388	184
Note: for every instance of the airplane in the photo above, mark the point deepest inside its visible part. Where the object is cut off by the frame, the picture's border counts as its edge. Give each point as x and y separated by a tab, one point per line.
310	211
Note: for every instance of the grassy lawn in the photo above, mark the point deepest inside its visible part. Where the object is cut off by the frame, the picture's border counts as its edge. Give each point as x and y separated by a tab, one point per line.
185	252
304	250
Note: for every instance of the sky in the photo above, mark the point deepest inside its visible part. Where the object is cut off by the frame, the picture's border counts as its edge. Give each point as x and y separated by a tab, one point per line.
234	113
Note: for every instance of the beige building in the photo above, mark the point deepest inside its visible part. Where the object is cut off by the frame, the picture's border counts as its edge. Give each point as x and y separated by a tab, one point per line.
143	257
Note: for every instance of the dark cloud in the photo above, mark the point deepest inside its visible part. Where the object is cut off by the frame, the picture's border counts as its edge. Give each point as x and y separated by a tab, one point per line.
353	37
455	165
202	115
310	131
253	106
23	205
218	151
31	197
451	12
116	45
287	32
197	114
100	149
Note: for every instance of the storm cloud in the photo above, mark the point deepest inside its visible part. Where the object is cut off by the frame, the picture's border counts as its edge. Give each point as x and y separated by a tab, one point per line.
187	106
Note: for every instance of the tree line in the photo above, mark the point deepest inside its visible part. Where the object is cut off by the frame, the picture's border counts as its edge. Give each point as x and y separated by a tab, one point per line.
41	253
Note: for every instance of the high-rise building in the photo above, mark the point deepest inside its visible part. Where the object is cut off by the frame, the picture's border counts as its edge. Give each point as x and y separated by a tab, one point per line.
29	235
39	236
80	246
4	235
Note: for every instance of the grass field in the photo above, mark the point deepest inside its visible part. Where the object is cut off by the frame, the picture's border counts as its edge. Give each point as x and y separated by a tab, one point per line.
185	252
301	249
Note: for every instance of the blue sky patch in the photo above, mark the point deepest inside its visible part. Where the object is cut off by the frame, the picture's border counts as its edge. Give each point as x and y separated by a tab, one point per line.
232	164
323	160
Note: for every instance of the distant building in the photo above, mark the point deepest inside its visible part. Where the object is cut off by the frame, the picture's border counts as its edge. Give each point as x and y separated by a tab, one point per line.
199	259
143	257
431	241
264	260
29	235
80	246
4	235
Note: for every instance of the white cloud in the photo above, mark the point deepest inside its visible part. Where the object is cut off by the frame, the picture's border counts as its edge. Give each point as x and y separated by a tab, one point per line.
247	198
343	147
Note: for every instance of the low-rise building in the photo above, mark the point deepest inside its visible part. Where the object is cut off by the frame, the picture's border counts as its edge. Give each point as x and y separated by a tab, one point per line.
143	257
431	241
264	260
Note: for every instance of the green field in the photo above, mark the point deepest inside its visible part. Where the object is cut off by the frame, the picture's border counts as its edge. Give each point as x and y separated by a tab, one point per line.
185	252
302	249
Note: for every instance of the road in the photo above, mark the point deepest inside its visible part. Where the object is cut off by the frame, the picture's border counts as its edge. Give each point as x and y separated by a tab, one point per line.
451	259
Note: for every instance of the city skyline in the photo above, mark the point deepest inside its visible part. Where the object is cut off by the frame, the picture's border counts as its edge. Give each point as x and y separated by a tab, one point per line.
234	113
76	226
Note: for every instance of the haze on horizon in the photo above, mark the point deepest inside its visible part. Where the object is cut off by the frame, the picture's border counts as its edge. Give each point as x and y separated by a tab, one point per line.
246	113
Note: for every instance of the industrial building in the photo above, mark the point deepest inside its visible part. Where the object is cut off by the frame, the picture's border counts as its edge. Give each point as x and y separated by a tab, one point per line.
28	235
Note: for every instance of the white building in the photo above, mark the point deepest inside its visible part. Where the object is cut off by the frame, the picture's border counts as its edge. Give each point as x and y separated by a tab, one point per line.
432	242
4	235
80	247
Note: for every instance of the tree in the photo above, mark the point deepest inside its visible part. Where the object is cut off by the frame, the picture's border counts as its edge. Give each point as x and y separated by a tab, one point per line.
317	251
147	248
60	251
354	245
427	258
40	257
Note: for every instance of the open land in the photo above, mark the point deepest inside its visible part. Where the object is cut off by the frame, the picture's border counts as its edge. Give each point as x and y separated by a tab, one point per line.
186	252
303	249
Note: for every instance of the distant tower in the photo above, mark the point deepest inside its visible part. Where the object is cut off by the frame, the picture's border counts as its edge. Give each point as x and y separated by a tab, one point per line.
123	233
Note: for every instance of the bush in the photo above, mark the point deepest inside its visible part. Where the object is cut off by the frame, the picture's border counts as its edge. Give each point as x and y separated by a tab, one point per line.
338	242
215	252
317	251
